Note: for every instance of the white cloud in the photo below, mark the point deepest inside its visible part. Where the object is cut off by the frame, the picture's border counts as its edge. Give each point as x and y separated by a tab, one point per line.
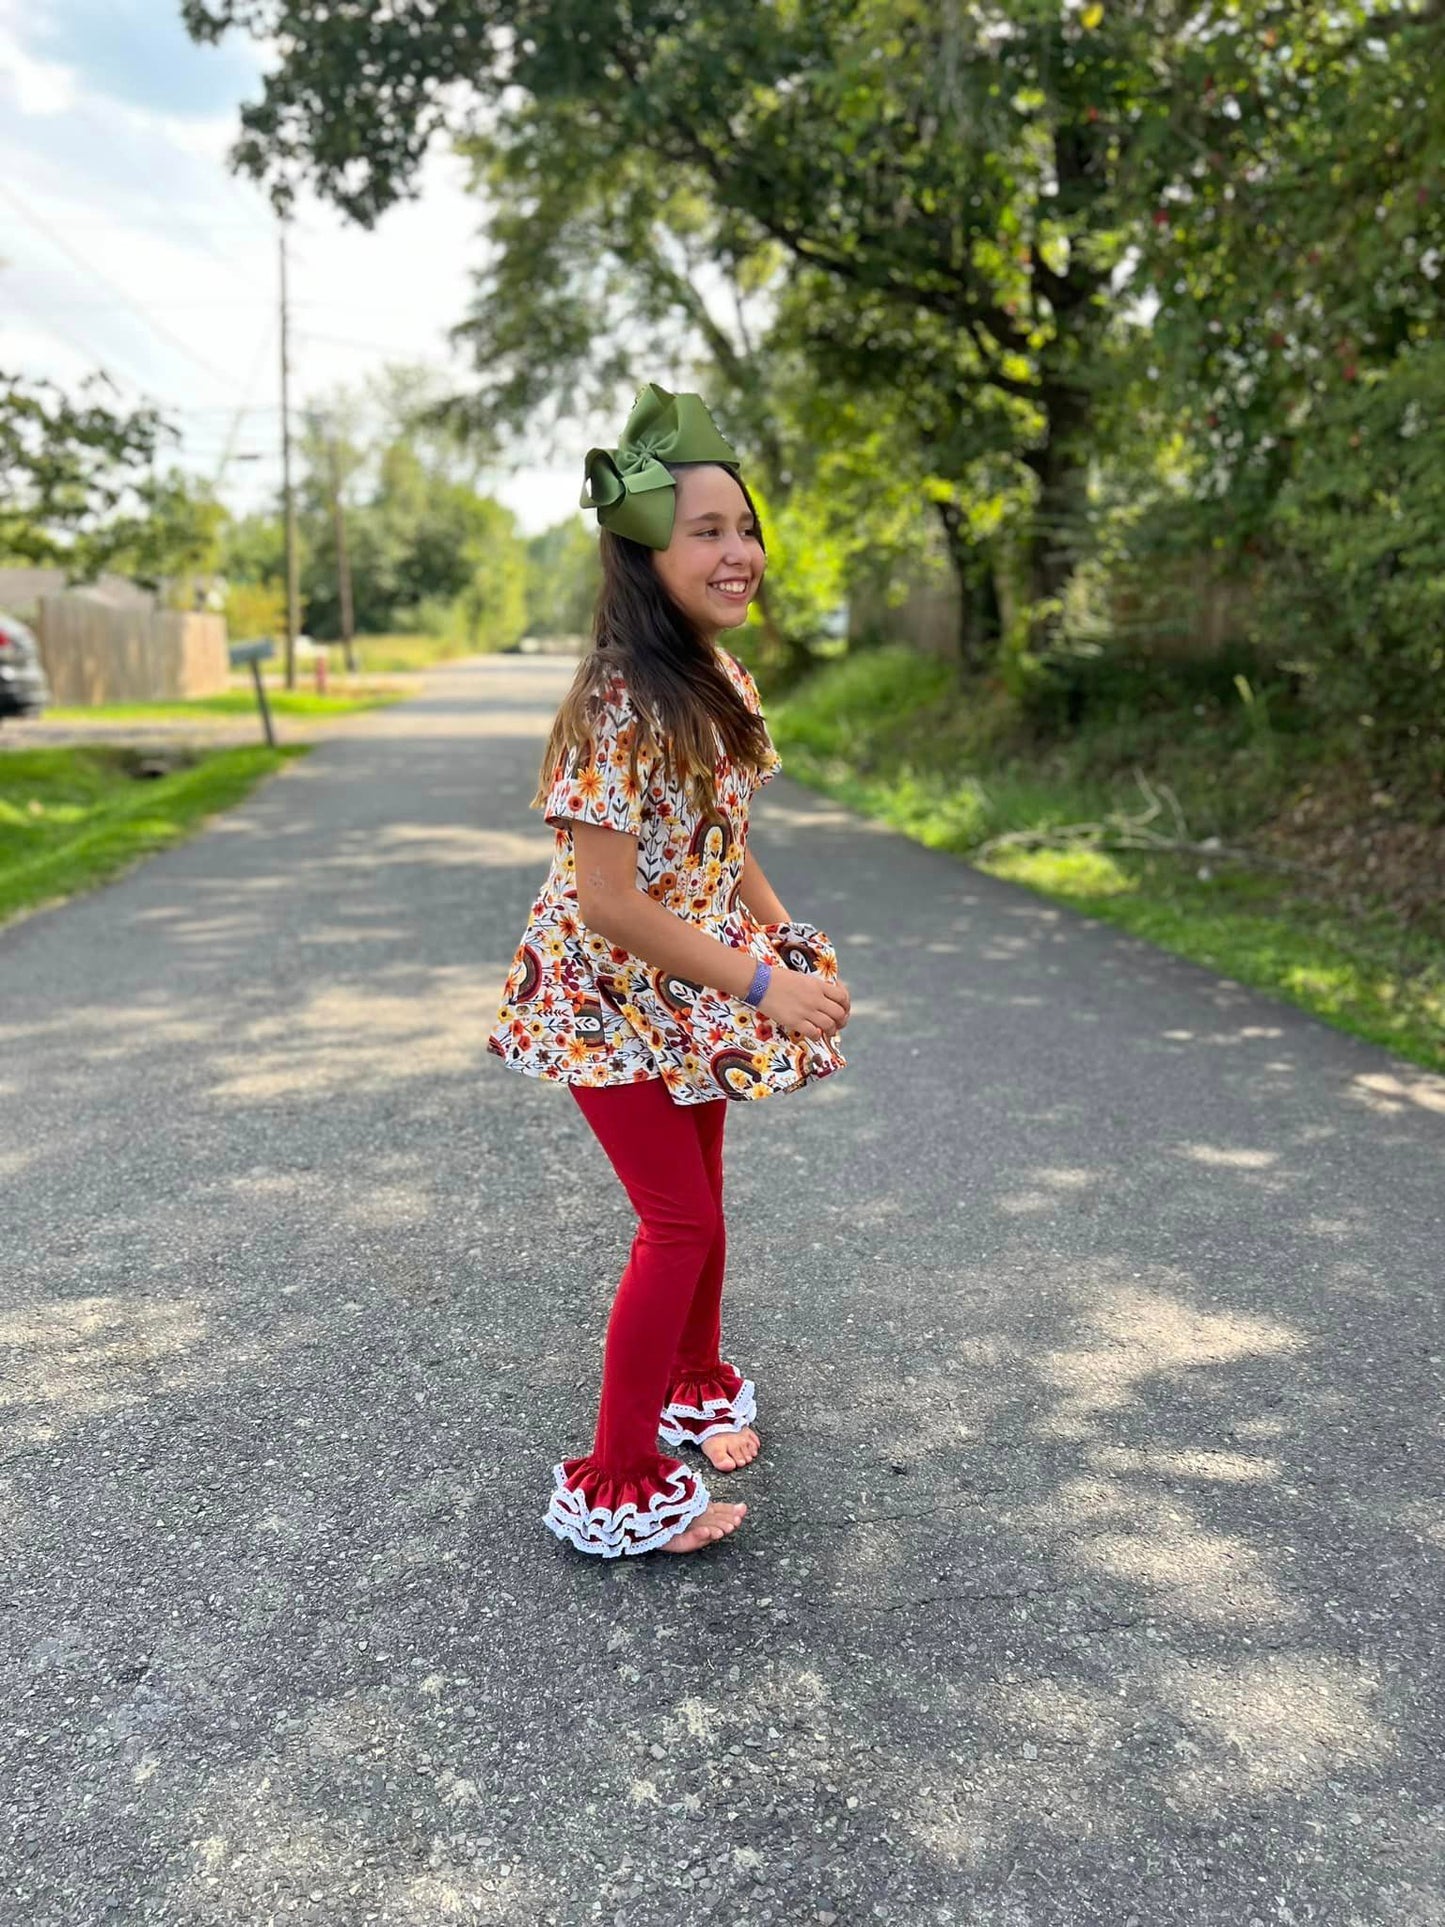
126	244
39	87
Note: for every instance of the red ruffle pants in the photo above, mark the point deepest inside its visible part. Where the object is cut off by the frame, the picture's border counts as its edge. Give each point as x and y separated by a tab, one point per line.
662	1370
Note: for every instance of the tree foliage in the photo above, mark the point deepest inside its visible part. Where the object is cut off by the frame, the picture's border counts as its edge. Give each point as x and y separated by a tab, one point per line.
1037	268
563	576
426	549
74	474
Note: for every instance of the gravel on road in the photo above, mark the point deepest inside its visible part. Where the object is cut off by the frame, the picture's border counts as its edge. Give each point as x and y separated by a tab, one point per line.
1095	1554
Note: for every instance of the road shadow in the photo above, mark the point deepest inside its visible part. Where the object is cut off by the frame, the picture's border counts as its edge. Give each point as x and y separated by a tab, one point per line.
1094	1555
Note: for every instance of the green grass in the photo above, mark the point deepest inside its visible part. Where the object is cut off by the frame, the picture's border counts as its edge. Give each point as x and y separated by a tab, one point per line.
1365	974
889	734
72	817
233	702
388	655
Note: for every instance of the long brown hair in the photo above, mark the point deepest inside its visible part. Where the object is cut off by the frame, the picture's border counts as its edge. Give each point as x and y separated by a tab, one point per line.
680	691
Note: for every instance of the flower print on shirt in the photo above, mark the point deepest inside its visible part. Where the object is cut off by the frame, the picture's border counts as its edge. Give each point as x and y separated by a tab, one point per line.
598	1015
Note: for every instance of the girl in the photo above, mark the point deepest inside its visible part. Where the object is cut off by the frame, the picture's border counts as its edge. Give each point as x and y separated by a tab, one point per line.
659	975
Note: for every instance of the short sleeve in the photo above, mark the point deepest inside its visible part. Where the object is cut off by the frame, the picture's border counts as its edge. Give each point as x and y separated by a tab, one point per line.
594	782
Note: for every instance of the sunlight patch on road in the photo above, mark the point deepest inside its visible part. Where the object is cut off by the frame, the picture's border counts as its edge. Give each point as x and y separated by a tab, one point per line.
1187	1573
1283	1721
76	1358
1218	1157
447	844
1386	1094
1142	1335
1231	1468
342	1037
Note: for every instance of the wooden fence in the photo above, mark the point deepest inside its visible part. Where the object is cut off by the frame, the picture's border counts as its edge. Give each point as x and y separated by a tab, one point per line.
100	652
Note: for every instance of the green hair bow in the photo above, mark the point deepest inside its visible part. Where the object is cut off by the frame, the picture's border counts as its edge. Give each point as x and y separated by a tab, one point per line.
633	493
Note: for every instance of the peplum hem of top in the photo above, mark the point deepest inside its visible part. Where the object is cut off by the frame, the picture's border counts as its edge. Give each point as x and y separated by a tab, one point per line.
702	1043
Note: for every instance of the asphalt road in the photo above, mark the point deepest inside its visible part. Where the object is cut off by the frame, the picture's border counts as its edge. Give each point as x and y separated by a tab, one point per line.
1096	1553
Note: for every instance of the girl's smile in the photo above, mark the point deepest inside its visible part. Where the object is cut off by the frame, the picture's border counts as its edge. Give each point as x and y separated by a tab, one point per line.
712	566
734	589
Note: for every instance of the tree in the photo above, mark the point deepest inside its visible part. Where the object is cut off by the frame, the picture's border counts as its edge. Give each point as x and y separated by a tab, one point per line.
989	198
563	574
1302	247
76	481
425	548
1293	353
842	135
175	530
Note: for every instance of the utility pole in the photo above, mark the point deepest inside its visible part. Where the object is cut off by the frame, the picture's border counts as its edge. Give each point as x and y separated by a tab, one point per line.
343	561
293	587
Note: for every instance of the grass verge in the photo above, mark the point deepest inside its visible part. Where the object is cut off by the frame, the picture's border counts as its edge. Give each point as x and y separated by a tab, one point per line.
231	702
388	655
72	817
890	734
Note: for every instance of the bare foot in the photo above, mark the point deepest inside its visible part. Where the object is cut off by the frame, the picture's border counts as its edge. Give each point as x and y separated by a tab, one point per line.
728	1450
715	1523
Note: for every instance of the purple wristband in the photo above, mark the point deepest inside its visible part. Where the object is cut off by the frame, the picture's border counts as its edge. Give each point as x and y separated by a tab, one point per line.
758	988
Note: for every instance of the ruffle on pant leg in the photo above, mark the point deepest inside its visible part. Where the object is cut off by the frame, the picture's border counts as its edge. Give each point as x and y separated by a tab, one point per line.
702	1403
599	1512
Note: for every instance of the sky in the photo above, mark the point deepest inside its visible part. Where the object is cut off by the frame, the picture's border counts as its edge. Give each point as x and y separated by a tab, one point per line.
126	244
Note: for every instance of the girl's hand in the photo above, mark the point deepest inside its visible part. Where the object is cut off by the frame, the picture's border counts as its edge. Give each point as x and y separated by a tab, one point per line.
809	1005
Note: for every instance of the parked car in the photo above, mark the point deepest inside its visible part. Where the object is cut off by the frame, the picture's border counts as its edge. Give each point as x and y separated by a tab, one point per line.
23	688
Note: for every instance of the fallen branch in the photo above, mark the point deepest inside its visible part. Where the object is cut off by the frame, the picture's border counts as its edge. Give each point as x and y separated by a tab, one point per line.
1121	831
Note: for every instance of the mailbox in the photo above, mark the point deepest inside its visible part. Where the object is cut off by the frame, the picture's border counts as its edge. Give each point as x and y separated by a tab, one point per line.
252	655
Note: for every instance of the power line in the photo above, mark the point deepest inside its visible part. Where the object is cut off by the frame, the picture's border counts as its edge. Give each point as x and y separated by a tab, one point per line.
89	267
71	307
52	328
229	408
371	347
95	358
174	221
188	445
108	227
258	219
349	301
228	452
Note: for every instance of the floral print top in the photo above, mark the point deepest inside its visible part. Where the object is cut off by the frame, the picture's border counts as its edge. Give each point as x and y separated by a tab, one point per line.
579	1010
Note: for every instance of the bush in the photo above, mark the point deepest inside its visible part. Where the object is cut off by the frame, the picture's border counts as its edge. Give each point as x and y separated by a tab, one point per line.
1357	591
1072	687
434	616
255	609
848	704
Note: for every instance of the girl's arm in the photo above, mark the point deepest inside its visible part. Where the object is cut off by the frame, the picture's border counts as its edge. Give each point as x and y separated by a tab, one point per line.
762	900
611	904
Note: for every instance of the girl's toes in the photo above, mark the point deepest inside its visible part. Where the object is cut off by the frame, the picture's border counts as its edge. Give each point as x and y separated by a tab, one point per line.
713	1524
728	1450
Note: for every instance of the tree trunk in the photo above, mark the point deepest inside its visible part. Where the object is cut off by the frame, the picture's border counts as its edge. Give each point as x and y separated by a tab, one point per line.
791	652
979	626
343	566
1059	527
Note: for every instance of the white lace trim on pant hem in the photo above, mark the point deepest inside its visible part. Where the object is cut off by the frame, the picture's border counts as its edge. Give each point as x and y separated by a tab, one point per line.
628	1530
719	1415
